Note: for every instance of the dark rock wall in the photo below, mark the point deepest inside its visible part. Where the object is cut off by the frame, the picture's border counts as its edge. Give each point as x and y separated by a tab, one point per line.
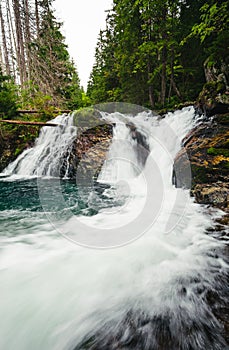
207	147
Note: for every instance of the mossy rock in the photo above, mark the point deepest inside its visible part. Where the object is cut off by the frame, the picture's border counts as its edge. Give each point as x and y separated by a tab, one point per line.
87	117
212	89
222	119
218	151
216	194
200	174
213	99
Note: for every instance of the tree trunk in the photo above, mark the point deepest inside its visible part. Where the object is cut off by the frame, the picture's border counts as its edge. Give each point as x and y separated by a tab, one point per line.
151	96
27	37
1	59
20	41
22	122
164	57
37	17
172	81
163	76
11	39
149	67
5	49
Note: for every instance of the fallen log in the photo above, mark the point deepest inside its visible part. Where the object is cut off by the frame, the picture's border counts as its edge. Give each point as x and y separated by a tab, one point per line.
22	122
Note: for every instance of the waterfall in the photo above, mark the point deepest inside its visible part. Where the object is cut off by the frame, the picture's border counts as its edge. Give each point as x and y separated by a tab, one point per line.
122	157
45	158
151	289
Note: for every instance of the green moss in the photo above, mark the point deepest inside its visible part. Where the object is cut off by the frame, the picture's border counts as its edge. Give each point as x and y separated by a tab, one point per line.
199	174
214	87
87	117
225	164
218	151
17	151
222	119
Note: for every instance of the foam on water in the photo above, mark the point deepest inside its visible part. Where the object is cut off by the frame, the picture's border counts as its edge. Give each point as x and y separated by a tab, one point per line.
55	294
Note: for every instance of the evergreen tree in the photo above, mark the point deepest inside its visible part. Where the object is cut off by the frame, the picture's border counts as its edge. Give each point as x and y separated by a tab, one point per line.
147	55
55	74
8	97
212	31
34	52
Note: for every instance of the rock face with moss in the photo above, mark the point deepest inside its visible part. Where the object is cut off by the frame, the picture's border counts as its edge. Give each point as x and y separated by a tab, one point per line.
89	150
213	99
88	153
207	147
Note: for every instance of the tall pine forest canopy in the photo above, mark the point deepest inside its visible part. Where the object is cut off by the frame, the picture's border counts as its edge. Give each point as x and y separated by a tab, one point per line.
158	53
155	53
35	66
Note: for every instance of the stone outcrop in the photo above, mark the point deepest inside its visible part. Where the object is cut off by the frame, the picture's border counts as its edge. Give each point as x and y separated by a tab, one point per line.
206	151
214	97
89	151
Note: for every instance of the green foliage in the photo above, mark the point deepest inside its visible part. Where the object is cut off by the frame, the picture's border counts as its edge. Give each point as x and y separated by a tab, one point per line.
56	75
87	117
212	31
214	20
8	97
31	98
140	59
218	151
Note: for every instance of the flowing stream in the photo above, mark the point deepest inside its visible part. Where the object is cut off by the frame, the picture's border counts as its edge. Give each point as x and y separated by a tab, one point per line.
149	290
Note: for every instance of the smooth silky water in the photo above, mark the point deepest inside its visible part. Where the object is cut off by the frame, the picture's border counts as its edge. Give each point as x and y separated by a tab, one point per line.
148	290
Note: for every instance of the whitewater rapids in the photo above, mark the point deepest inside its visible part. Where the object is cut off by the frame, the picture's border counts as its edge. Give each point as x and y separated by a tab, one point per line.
62	289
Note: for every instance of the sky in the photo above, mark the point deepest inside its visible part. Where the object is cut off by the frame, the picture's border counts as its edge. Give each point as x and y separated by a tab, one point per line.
82	20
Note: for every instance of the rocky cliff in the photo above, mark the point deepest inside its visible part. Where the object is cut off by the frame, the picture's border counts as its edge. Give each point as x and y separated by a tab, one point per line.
207	147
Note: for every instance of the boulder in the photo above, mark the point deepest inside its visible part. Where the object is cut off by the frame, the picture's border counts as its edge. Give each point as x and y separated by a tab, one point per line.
206	151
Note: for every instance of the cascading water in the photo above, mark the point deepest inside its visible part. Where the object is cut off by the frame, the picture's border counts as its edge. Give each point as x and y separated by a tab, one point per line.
45	157
122	157
150	294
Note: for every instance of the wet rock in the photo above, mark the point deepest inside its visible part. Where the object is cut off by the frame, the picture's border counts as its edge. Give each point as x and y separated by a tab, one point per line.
213	99
84	160
206	151
88	153
216	194
224	220
139	331
87	118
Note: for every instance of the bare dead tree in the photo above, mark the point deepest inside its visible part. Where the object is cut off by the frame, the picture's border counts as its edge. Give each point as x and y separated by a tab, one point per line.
12	40
4	42
20	42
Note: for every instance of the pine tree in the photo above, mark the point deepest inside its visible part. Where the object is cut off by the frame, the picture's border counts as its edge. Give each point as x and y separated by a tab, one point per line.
34	52
142	57
8	97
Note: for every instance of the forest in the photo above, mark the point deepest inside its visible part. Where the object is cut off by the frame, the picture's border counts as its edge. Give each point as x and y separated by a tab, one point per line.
36	69
157	54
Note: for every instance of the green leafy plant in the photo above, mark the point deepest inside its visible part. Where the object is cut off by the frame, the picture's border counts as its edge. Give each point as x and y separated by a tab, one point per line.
8	97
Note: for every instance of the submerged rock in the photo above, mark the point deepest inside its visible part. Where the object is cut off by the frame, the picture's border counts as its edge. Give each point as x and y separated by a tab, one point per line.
138	330
216	194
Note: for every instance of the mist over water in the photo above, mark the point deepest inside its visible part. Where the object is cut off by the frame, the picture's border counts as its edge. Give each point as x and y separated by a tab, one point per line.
149	289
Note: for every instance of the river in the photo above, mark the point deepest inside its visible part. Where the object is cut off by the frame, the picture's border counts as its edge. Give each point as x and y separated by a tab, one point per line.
123	263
